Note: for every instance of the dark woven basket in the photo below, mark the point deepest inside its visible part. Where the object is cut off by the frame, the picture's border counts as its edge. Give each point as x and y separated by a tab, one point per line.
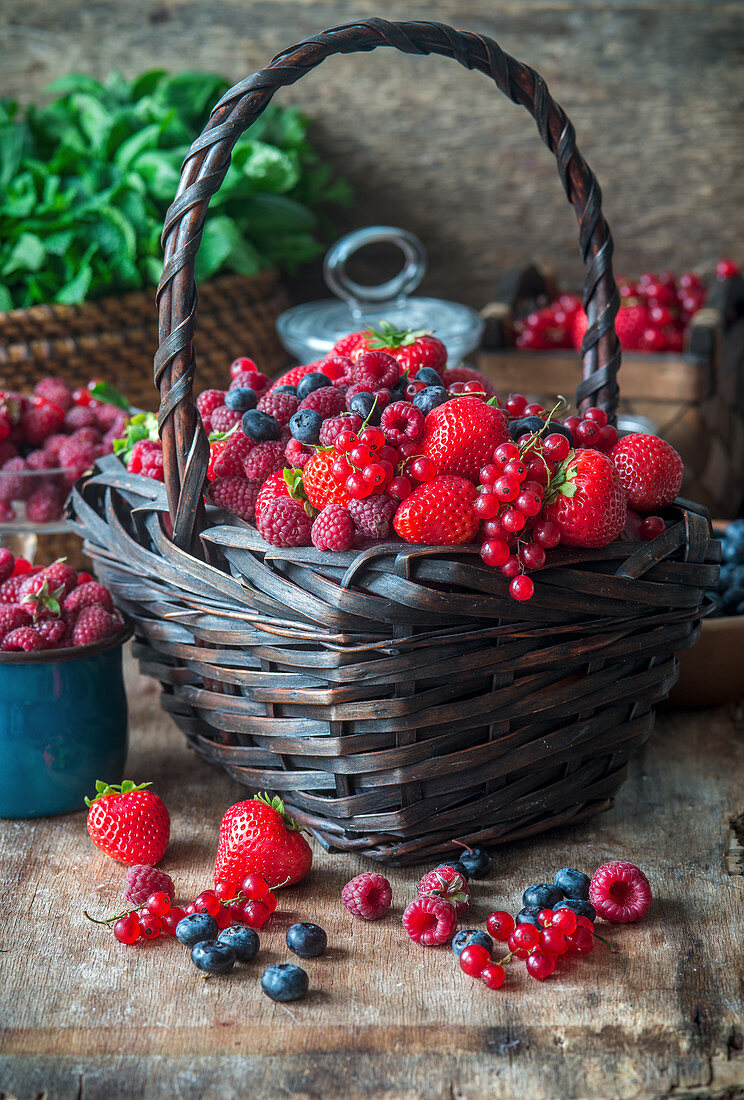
398	699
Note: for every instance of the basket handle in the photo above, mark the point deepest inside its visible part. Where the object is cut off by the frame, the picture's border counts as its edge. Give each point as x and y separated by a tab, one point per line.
185	446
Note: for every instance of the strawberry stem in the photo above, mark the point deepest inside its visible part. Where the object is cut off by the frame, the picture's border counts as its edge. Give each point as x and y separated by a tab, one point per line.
103	789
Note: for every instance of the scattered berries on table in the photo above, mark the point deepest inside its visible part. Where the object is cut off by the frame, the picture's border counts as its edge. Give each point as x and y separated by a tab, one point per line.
284	982
468	936
430	921
620	892
367	896
196	928
143	880
306	939
128	822
258	835
213	957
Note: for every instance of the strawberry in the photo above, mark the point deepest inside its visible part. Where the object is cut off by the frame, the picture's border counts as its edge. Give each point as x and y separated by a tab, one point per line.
413	350
282	483
439	513
128	822
650	470
216	447
320	486
258	836
293	376
461	435
631	323
586	499
347	345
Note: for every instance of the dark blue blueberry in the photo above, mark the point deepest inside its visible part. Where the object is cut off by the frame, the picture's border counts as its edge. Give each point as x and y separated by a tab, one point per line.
284	982
732	551
312	381
430	398
196	927
305	425
573	883
478	863
429	377
398	393
307	940
527	424
528	915
213	957
544	895
285	388
260	427
466	936
243	940
736	527
578	906
366	405
241	399
731	599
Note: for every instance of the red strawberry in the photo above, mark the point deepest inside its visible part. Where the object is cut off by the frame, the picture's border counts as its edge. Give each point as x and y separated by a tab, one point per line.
439	513
215	450
258	836
273	488
586	500
466	374
461	435
413	350
355	341
128	822
319	483
650	470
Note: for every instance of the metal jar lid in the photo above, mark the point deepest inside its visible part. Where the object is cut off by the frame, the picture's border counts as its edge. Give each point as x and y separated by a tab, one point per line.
310	330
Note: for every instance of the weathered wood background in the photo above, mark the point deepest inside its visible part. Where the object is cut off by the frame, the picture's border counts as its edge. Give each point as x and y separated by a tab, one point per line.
654	88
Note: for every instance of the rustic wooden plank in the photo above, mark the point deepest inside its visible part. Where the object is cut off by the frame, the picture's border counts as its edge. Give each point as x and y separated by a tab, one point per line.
84	1017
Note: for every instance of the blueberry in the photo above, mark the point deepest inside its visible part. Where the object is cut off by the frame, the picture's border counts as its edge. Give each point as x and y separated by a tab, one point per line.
573	883
285	388
260	427
196	927
527	424
213	957
363	405
732	551
430	398
312	381
544	895
243	940
398	393
284	982
528	915
305	425
307	940
731	599
736	527
478	863
459	867
466	936
429	377
578	906
241	399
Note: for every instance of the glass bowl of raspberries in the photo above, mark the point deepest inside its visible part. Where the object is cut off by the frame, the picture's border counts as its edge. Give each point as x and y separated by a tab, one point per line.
63	709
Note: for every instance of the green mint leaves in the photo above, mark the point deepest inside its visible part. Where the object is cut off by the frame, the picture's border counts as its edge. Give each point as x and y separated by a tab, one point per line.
139	427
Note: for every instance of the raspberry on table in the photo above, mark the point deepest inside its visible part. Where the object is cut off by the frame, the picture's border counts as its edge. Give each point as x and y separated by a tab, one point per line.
264	459
373	515
142	880
46	504
328	401
223	419
330	428
229	461
620	892
446	883
284	522
236	495
93	624
333	529
430	921
282	406
367	896
87	595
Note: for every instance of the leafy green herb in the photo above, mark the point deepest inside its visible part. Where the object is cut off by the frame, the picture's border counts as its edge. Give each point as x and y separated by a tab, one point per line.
139	427
86	179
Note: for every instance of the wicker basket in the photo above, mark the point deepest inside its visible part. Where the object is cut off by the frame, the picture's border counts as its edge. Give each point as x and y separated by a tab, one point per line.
114	337
398	699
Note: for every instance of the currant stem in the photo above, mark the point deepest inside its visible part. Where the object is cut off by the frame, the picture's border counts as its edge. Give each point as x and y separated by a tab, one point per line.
506	959
607	943
110	920
462	844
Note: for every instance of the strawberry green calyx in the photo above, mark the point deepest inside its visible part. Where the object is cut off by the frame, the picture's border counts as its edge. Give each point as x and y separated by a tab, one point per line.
104	391
563	480
295	485
103	789
277	804
139	427
386	335
217	437
44	600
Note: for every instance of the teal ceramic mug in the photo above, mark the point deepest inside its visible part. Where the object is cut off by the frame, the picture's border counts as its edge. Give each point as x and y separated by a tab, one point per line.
63	725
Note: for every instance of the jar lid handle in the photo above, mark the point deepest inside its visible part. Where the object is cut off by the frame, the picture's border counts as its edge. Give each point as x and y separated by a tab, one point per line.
399	287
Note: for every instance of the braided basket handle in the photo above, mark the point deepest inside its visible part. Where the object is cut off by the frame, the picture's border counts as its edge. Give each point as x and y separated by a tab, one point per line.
185	446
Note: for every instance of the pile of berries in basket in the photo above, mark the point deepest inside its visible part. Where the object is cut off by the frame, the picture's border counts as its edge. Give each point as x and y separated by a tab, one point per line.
51	608
381	439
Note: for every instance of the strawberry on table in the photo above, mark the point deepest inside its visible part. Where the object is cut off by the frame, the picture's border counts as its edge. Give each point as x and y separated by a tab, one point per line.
128	822
586	500
439	513
258	835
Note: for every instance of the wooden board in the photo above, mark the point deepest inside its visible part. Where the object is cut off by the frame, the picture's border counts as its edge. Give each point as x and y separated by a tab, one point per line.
85	1018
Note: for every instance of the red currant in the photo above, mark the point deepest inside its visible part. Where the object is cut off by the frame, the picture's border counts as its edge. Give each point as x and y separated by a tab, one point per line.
207	902
516	947
241	364
506	488
516	404
224	890
534	410
190	908
608	437
565	919
400	488
270	901
599	416
572	423
254	886
150	926
170	921
540	965
360	455
553	942
546	533
584	922
556	447
513	520
345	440
473	386
726	269
375	474
525	935
236	910
82	397
580	942
356	487
159	904
529	503
512	566
495	552
538	471
522	587
688	280
587	433
500	925
409	448
652	527
372	437
516	469
545	916
493	975
421	468
487	505
490	474
255	914
532	556
224	917
473	958
340	470
127	929
388	454
505	452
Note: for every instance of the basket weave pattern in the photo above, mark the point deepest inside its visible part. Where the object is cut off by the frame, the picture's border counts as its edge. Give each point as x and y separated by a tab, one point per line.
397	698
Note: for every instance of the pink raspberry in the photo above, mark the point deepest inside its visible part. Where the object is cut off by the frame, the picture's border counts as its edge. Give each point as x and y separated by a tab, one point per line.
55	390
338	368
274	487
236	495
252	380
328	401
367	896
142	454
13	485
53	631
373	515
264	459
447	883
40	460
329	429
52	445
116	431
10	589
282	406
87	595
91	436
620	892
333	529
296	455
76	456
108	415
376	369
93	624
7	512
39	421
284	522
12	616
229	462
430	921
46	504
402	421
79	417
59	574
7	563
143	880
223	419
208	401
26	639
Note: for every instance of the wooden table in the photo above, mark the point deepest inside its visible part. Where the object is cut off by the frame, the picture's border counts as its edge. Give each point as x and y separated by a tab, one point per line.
84	1017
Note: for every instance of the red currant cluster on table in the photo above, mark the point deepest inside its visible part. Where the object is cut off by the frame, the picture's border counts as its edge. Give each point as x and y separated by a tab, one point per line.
655	312
47	441
52	608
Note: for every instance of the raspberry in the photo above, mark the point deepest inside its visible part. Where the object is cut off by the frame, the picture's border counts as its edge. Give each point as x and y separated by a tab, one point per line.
13	486
142	455
56	391
79	417
264	460
447	883
373	515
46	504
620	892
7	512
25	639
273	488
41	420
91	436
252	380
333	529
401	421
7	564
107	416
376	369
229	462
10	589
53	631
93	624
143	880
296	455
223	419
12	616
367	896
208	401
430	921
281	406
76	455
59	574
52	445
88	594
328	401
40	460
284	522
236	495
329	429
